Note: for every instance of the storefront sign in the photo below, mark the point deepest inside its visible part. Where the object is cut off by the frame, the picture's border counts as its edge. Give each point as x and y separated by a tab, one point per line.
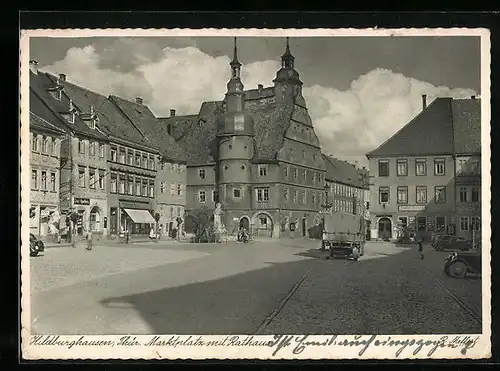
82	201
135	205
411	207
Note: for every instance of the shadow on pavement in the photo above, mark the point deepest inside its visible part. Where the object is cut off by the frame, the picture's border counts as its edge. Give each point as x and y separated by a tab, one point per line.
240	303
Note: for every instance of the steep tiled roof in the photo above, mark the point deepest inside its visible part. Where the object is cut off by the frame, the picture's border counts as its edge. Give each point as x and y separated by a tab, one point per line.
36	122
199	137
111	120
50	109
429	133
342	172
446	126
178	124
271	121
152	128
467	125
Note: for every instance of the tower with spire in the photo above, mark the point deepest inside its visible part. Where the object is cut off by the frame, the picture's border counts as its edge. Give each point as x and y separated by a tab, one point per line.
287	82
235	134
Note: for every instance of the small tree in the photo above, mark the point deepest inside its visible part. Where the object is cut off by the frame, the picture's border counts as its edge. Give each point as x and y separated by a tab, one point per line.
201	218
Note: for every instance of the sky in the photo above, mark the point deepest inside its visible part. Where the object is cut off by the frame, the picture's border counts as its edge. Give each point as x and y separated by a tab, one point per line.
359	90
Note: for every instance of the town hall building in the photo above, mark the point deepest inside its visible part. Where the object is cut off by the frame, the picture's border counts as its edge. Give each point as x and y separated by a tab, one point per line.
256	153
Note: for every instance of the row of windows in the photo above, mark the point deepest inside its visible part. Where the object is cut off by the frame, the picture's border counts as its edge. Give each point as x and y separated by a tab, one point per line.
132	185
466	194
421	194
132	157
44	144
345	190
315	176
174	188
94	148
178	168
420	167
472	223
301	195
96	178
302	152
438	223
43	180
423	223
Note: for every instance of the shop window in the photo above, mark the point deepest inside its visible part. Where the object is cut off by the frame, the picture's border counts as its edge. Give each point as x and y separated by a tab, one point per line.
440	224
421	223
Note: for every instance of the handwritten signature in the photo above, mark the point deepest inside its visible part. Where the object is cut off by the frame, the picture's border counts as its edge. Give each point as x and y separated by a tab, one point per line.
301	342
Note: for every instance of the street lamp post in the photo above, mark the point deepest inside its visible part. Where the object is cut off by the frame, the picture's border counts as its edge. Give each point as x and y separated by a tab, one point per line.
327	205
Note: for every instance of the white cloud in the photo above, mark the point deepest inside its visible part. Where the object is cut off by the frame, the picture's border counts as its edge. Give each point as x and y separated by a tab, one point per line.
349	123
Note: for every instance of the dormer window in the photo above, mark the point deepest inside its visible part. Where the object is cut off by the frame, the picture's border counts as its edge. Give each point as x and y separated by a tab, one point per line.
201	122
58	94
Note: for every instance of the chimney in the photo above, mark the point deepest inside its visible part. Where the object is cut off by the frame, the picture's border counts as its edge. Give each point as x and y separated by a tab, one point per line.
260	87
34	67
62	77
424	101
472	97
138	100
172	113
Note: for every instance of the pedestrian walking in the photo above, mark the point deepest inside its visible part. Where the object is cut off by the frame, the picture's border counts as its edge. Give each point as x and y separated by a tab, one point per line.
420	242
89	240
127	236
152	236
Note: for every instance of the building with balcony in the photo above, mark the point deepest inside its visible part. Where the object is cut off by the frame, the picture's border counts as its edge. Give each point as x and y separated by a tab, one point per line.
421	177
256	153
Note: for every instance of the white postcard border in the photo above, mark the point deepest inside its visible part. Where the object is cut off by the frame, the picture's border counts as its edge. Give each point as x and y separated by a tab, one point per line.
247	346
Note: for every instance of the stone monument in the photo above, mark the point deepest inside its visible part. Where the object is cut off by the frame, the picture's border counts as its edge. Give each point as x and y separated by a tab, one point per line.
218	225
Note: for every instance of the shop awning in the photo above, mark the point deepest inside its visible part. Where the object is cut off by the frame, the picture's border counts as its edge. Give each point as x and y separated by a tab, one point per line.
140	216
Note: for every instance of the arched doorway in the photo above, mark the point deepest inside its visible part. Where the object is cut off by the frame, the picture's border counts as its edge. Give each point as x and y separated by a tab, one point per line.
95	219
245	223
385	229
263	225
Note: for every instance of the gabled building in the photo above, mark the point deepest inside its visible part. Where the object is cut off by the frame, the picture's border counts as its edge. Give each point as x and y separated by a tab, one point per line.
131	161
256	153
426	177
345	186
83	152
169	164
45	150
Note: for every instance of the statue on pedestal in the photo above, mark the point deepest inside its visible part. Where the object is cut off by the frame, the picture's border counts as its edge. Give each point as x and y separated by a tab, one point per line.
218	225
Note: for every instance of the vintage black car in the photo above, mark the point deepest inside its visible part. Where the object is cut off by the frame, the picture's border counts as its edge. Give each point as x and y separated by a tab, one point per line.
453	243
440	238
459	265
36	246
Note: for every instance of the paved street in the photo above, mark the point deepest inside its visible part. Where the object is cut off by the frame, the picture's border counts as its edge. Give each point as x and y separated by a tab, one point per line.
246	288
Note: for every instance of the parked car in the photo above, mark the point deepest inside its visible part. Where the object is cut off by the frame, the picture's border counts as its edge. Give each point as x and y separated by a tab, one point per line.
438	238
460	265
36	246
453	243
